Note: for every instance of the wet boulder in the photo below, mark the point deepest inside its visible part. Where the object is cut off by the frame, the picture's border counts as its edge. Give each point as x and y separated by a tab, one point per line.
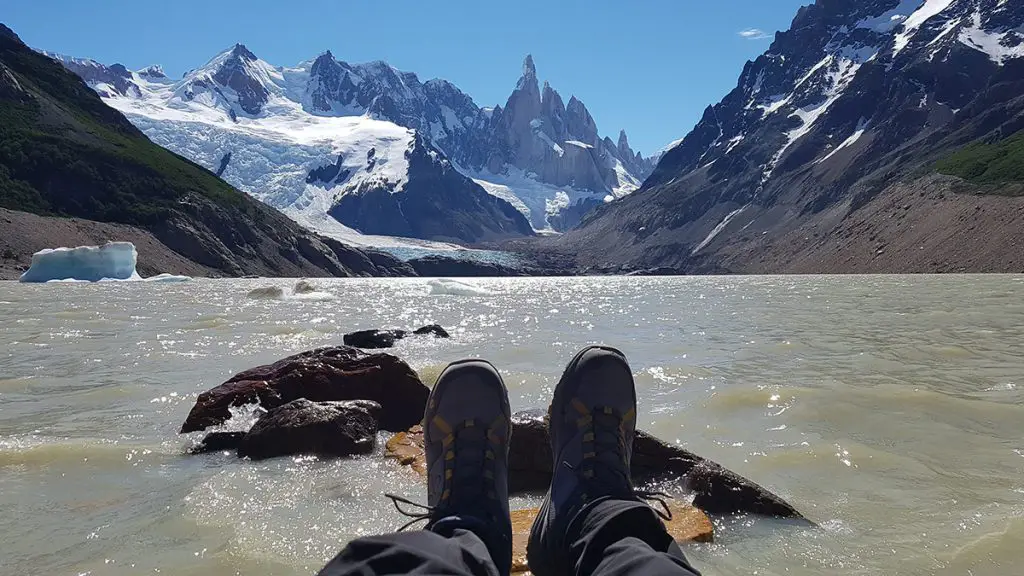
326	374
218	442
305	427
715	489
374	339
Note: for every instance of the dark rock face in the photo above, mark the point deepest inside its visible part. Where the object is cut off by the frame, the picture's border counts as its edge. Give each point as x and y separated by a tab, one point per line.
10	88
328	176
717	490
436	203
224	161
305	427
845	103
371	339
321	375
439	266
235	73
155	72
115	77
9	34
218	442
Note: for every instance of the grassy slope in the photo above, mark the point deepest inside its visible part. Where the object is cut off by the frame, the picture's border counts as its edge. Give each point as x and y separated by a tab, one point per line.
996	163
64	152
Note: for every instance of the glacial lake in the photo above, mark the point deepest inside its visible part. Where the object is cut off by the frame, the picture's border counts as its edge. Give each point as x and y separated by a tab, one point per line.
889	409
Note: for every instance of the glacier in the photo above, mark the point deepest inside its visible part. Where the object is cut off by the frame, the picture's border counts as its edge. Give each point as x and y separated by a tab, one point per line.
110	262
299	138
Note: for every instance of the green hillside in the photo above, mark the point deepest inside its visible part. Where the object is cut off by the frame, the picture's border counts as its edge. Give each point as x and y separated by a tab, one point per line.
64	152
995	163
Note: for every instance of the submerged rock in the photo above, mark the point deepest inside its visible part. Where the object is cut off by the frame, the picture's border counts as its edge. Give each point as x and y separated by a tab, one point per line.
305	427
716	490
305	287
325	374
376	339
434	329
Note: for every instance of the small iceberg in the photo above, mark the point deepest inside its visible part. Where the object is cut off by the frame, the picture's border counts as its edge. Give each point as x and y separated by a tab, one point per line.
456	288
267	293
114	261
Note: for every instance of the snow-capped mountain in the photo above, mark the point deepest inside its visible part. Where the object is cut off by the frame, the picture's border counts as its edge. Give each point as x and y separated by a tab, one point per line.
312	138
557	144
853	97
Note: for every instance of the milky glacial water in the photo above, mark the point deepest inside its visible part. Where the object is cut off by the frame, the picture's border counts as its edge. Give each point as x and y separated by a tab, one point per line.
888	409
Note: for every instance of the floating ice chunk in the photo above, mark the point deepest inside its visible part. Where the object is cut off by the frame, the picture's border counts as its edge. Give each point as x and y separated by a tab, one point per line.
456	288
267	293
167	278
115	260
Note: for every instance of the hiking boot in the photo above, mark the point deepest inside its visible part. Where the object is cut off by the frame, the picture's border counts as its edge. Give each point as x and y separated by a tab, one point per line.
466	431
591	422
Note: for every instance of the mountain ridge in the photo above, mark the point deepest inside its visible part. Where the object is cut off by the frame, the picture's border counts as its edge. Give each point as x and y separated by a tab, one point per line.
852	100
540	179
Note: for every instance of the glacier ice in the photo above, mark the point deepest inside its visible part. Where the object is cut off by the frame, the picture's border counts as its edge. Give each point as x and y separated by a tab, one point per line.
112	261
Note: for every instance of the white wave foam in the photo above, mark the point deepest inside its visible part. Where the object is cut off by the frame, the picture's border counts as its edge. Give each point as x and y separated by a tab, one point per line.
303	290
242	418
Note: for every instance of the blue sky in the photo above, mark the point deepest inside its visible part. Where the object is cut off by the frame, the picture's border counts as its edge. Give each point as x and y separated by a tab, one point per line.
649	66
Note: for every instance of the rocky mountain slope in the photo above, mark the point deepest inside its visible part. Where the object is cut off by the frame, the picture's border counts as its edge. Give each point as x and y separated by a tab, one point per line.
848	110
63	152
303	138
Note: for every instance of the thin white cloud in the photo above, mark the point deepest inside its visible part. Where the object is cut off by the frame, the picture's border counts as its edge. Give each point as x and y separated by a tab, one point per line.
753	34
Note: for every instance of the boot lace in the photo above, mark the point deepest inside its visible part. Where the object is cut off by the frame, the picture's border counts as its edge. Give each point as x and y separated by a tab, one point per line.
603	470
469	483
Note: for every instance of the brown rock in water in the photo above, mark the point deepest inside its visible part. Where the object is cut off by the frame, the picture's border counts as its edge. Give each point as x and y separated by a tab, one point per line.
688	524
716	490
321	375
305	427
407	448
